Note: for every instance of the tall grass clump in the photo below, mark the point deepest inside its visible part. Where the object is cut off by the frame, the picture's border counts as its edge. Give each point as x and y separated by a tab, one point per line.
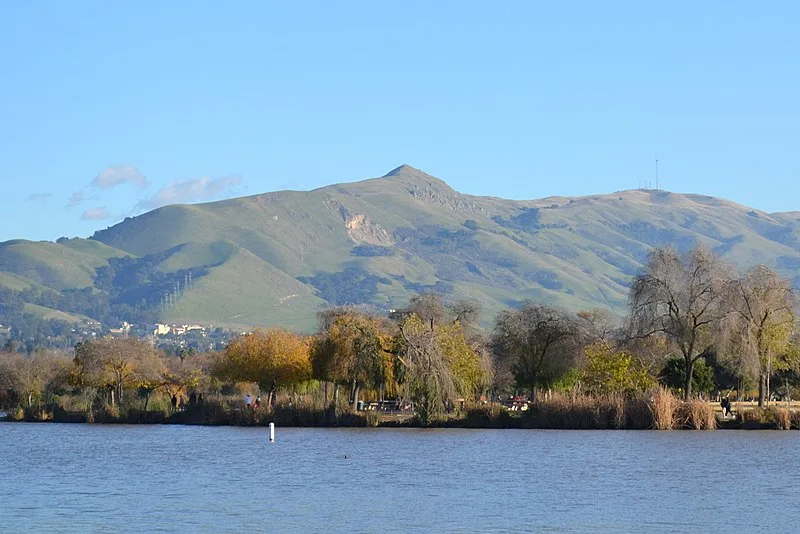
772	417
586	412
695	415
795	419
750	418
638	415
781	417
662	404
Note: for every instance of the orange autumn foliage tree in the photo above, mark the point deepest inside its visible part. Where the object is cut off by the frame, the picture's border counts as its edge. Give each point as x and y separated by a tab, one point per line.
271	358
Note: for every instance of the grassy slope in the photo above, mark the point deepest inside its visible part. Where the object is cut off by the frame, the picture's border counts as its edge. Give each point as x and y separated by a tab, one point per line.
53	264
46	313
15	282
193	255
246	290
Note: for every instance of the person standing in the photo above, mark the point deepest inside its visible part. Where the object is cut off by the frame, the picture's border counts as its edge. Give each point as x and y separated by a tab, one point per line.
248	400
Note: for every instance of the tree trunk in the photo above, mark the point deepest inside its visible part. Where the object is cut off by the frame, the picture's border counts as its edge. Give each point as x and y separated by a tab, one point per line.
687	384
326	393
146	399
355	397
767	376
335	396
352	391
762	390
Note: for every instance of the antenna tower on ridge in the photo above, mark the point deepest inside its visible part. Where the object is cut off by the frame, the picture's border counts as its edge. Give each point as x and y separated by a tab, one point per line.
656	174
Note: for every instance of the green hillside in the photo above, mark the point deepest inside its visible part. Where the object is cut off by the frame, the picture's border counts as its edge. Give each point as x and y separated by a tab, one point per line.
15	282
56	265
43	312
277	258
246	290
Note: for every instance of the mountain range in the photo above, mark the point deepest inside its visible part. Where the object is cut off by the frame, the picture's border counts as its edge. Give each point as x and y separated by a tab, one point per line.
277	258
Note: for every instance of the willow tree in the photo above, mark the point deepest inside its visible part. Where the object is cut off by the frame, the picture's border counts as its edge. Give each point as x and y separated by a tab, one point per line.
351	351
538	343
681	297
761	323
437	363
270	358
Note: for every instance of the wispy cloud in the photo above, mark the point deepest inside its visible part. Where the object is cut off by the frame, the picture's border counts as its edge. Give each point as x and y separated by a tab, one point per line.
76	198
95	214
191	191
39	197
118	175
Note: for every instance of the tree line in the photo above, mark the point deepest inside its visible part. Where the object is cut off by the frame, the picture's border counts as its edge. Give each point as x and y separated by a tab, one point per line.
691	320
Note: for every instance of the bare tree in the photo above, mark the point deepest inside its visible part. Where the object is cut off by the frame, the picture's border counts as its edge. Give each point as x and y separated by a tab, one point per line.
762	320
681	297
33	377
536	342
429	307
115	364
599	326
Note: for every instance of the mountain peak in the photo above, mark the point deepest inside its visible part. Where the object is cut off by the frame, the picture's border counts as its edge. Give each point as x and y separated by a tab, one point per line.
404	170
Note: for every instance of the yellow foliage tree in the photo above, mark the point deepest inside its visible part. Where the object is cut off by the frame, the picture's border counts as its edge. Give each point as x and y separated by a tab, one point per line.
610	371
271	358
470	375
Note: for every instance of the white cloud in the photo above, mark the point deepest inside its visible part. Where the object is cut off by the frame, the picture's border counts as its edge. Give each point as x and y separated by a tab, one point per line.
76	198
39	197
118	175
95	214
191	191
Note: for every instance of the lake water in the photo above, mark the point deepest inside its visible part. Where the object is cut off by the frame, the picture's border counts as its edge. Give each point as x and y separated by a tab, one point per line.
97	478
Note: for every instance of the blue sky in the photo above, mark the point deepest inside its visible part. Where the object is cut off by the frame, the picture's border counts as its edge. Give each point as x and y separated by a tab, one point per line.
108	109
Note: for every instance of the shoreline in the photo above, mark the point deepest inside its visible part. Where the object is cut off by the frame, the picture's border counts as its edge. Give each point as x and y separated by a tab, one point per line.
768	419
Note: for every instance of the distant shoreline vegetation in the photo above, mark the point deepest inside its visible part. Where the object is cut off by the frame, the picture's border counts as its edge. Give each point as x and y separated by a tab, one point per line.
698	334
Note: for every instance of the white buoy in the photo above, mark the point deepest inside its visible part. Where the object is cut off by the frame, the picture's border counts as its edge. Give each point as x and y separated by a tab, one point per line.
271	432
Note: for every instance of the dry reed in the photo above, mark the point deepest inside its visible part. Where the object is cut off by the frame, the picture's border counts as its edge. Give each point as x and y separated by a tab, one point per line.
584	412
695	415
662	404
